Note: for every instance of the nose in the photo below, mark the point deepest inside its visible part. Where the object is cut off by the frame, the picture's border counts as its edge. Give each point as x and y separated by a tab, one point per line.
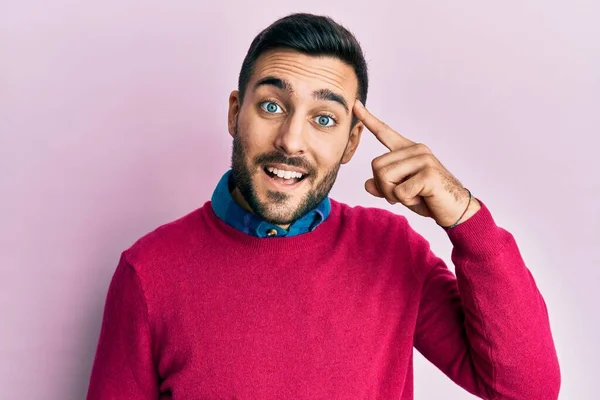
291	138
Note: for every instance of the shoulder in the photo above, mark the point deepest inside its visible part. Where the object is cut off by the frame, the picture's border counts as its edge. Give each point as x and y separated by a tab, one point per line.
372	218
381	236
167	241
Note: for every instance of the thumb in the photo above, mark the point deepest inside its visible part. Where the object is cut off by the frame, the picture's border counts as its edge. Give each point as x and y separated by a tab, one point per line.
371	187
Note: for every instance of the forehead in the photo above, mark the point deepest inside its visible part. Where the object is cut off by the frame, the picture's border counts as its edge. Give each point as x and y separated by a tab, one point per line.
307	73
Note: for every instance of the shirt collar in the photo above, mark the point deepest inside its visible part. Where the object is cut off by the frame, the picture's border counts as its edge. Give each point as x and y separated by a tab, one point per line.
234	215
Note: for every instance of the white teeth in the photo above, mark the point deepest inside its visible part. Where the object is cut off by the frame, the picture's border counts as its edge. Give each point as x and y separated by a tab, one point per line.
285	174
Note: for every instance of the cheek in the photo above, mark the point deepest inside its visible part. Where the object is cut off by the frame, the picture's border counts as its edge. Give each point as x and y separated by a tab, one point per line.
247	138
255	130
328	153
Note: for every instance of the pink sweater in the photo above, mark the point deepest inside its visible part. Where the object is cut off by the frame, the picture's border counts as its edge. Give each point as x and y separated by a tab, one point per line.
199	310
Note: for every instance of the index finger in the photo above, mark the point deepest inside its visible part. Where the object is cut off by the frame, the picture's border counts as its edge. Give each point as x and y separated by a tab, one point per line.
386	135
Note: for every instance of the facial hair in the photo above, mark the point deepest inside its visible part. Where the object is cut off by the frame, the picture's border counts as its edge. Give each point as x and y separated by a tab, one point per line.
275	209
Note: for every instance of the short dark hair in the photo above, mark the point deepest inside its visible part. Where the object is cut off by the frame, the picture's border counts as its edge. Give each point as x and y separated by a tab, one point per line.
310	34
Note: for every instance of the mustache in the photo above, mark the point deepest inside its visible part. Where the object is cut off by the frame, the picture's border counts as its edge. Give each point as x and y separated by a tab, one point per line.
275	157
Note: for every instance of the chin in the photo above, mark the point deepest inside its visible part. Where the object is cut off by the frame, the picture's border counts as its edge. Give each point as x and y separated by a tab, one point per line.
278	208
277	203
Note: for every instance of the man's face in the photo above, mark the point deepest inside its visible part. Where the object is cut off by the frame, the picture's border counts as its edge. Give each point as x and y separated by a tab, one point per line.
291	133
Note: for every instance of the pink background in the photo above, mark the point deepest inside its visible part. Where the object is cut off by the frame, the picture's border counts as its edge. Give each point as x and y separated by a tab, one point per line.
113	121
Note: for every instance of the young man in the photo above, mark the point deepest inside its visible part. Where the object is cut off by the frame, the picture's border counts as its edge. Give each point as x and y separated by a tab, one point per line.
272	290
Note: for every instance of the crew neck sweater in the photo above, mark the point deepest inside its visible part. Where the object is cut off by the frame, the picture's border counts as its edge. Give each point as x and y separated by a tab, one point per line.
199	310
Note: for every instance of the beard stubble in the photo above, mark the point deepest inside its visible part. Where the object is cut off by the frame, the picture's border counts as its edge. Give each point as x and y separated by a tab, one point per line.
274	209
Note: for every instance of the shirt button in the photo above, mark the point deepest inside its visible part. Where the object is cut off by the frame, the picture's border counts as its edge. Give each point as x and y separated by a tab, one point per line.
272	232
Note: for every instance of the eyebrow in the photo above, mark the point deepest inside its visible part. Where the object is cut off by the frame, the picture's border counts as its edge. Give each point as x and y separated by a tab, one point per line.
321	94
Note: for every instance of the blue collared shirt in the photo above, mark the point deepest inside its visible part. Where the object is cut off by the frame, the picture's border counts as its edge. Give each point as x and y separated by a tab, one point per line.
234	215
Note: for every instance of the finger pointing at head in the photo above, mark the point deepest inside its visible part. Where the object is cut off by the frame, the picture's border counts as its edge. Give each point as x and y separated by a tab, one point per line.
386	135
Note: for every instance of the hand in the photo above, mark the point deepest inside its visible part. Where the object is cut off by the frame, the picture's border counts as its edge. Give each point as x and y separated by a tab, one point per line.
410	174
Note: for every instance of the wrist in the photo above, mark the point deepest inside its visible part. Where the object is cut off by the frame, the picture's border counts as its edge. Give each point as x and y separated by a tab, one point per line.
469	208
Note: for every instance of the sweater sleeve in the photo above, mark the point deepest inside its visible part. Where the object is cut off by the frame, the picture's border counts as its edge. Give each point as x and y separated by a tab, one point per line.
123	368
486	328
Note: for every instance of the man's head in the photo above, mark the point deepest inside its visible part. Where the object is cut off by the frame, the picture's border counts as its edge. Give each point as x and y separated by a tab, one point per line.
291	118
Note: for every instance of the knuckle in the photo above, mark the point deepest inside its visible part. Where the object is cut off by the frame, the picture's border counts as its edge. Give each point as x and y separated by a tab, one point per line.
376	163
379	161
384	170
389	169
402	195
430	172
423	148
427	158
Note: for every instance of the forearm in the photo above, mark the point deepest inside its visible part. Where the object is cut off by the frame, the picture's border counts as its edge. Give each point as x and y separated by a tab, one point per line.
506	321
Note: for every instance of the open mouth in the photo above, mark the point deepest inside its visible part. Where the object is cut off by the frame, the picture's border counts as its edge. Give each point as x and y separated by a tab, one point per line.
285	176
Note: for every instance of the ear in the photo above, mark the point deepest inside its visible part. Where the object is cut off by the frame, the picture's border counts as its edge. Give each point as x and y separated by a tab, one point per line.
234	111
355	134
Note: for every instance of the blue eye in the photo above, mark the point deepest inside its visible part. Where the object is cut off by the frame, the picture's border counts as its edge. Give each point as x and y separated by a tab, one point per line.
270	107
325	121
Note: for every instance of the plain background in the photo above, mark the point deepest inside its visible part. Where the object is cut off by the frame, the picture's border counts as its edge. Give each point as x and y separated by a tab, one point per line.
113	121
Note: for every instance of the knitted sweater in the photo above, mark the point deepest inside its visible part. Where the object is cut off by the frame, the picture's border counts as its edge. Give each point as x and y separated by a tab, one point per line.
199	310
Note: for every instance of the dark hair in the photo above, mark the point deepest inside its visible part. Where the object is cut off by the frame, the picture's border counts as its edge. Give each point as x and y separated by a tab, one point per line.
310	34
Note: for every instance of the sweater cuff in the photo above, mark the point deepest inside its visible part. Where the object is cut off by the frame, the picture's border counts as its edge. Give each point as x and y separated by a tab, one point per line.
479	236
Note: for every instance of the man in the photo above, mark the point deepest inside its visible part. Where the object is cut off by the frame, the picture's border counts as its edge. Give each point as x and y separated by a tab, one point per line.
272	290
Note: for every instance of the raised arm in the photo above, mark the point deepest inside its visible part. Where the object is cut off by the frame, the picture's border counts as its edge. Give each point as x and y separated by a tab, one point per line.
487	328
